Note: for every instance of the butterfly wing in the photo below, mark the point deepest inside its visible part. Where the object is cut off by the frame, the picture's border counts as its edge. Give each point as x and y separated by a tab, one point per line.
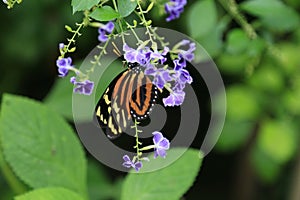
143	98
104	110
130	96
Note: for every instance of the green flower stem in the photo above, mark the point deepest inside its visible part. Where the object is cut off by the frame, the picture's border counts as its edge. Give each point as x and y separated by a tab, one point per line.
122	31
98	57
13	182
147	147
168	88
146	24
159	38
115	5
232	7
137	142
139	41
72	40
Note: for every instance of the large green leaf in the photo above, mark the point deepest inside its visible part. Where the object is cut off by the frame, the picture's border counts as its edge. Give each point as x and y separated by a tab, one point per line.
60	97
99	185
234	135
271	11
169	183
40	146
202	18
105	13
212	42
79	5
50	194
126	7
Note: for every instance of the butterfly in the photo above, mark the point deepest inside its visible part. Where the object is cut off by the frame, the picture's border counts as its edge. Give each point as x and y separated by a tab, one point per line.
130	96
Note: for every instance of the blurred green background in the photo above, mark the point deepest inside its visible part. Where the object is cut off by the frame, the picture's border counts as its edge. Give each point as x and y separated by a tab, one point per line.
256	48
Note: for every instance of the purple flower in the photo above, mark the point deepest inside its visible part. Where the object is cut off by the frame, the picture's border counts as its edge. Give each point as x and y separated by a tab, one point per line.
130	54
128	163
61	46
181	75
143	55
176	98
187	54
161	75
84	87
161	144
64	65
174	8
179	63
105	30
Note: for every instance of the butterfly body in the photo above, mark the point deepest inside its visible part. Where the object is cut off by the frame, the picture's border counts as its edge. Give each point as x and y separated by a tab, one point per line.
130	96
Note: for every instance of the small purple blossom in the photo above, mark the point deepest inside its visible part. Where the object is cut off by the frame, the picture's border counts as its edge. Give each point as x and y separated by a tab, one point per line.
189	53
144	55
128	163
61	46
84	87
161	75
182	76
64	65
174	8
179	63
161	144
176	98
105	30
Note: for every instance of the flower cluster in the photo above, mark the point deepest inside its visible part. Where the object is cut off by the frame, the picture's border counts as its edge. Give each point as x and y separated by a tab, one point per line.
143	55
174	8
160	146
64	65
105	30
82	87
128	163
172	79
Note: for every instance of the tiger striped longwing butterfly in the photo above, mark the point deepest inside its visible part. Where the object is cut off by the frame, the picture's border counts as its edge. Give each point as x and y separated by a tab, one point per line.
130	96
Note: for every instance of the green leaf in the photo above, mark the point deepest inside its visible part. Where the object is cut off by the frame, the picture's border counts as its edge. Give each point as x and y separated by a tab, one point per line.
80	5
233	64
235	133
99	185
60	97
202	18
237	41
278	140
213	42
105	13
169	183
40	146
291	98
50	194
126	7
271	11
268	78
242	103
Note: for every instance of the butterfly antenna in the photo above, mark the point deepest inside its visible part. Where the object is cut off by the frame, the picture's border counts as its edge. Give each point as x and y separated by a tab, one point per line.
116	50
